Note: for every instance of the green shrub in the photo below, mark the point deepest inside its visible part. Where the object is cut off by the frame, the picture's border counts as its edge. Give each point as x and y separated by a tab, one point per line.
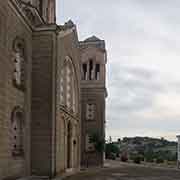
112	156
137	159
159	160
111	149
98	141
149	156
149	159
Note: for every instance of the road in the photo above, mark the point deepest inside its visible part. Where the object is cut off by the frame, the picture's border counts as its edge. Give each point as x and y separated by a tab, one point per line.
118	171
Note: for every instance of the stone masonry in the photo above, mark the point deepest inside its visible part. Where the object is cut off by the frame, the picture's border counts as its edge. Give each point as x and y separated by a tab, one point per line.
93	95
42	93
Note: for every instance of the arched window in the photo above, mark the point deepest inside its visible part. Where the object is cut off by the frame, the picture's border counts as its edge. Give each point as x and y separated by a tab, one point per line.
62	87
19	63
68	85
17	129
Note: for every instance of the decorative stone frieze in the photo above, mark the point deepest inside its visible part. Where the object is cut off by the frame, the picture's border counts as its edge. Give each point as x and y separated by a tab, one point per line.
19	60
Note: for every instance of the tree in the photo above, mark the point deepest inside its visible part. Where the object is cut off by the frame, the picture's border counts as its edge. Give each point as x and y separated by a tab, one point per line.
98	141
111	150
119	140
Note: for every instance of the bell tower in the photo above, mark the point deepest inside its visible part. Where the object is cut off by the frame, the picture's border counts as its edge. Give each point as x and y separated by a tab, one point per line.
47	10
93	98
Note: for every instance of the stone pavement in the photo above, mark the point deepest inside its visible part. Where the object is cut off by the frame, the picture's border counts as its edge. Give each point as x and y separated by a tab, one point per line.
34	178
115	170
119	171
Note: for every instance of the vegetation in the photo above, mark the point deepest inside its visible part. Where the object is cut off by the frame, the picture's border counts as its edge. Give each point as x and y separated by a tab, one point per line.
99	142
137	159
140	149
112	151
159	160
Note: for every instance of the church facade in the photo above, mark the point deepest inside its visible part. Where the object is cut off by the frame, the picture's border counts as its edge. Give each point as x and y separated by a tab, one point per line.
42	90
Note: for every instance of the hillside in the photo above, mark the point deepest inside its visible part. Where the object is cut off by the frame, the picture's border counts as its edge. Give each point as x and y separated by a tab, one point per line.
149	148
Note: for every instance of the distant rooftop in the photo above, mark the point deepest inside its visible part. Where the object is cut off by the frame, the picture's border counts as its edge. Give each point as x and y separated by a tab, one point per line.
92	39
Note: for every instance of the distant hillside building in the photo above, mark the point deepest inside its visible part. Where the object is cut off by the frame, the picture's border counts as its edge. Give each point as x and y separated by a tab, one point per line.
40	90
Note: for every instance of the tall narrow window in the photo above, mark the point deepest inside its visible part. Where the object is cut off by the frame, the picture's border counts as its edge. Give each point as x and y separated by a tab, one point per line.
62	94
90	69
68	88
97	73
84	73
47	14
41	7
73	97
17	126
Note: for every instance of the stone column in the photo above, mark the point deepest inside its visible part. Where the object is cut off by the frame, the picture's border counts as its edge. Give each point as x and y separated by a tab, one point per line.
94	71
88	78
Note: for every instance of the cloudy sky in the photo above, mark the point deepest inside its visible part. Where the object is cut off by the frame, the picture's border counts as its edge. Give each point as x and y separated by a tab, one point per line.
143	43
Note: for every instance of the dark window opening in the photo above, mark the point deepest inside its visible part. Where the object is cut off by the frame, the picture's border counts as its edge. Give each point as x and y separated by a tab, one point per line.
84	72
90	69
97	73
41	7
47	13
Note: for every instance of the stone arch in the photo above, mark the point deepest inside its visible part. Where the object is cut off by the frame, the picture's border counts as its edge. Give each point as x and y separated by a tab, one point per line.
17	131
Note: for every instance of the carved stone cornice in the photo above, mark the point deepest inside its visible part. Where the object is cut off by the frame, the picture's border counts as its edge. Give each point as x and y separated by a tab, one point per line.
30	11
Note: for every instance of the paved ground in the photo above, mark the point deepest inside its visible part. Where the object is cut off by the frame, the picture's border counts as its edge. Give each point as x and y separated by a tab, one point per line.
118	171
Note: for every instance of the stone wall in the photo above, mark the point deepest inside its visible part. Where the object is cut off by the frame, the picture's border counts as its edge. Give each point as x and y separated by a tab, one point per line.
93	94
42	141
67	46
97	97
10	96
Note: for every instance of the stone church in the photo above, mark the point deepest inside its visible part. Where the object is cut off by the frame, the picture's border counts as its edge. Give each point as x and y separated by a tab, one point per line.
52	92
